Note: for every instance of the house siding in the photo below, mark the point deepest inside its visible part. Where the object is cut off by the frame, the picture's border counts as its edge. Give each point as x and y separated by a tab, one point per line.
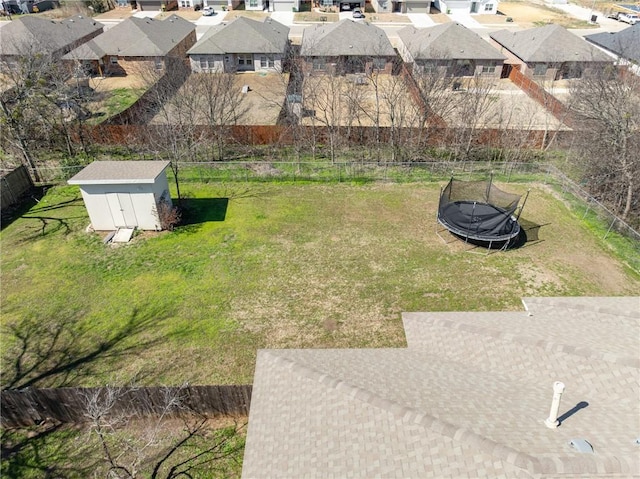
129	65
345	65
229	63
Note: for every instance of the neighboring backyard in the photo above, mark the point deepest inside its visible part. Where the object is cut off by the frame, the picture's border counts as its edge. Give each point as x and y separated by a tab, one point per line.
264	265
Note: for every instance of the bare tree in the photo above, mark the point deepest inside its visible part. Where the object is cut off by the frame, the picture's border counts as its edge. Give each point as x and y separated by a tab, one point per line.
172	441
220	103
606	106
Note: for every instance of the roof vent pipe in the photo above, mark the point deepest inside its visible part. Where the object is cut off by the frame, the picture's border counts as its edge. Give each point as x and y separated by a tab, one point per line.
552	421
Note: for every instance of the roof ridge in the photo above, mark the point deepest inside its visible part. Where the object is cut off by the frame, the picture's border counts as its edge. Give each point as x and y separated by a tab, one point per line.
410	414
566	303
546	344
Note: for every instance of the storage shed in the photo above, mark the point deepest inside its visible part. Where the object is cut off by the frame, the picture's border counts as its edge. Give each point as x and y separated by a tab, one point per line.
124	194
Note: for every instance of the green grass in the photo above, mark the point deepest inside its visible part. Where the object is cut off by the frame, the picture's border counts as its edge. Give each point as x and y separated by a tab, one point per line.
265	265
116	101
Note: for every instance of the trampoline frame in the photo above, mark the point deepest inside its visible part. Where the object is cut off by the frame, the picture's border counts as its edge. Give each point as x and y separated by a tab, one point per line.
467	235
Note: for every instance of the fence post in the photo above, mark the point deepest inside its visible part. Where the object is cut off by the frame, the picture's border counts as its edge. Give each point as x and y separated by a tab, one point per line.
586	212
611	226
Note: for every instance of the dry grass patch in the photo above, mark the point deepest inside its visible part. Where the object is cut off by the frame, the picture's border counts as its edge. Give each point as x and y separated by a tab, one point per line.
529	15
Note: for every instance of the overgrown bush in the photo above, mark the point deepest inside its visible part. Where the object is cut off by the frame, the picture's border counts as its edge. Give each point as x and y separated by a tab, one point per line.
170	216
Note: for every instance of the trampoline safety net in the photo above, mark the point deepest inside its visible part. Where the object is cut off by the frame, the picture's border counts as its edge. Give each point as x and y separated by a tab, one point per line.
478	210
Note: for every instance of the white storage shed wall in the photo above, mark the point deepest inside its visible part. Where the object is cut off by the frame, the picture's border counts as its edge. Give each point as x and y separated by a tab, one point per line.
121	203
122	206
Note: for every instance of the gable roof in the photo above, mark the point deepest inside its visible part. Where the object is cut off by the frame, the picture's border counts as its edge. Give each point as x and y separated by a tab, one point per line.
119	172
44	35
450	41
625	43
551	43
136	37
467	398
345	38
243	35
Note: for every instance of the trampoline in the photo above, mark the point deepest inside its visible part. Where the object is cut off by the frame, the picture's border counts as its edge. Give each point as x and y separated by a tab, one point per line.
480	213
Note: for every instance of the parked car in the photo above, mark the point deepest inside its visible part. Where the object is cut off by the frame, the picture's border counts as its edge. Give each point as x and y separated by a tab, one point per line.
208	11
357	13
630	18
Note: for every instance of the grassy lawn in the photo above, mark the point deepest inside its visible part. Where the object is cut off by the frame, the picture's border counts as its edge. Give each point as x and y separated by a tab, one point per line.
264	265
114	102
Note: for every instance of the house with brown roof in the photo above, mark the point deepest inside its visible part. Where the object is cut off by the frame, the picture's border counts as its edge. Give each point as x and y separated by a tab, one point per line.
550	391
31	34
346	47
449	49
136	44
550	52
241	45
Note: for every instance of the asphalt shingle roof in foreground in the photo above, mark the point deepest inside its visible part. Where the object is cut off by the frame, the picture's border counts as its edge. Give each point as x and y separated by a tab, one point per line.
467	398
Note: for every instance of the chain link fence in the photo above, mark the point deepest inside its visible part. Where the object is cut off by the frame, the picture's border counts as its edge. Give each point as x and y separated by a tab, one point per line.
367	171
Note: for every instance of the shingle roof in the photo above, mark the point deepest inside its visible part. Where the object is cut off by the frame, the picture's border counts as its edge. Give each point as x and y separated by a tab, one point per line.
244	35
119	172
345	38
551	43
467	398
136	37
44	35
625	43
447	41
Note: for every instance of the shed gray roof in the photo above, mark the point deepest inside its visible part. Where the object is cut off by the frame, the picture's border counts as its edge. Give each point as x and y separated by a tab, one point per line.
345	38
244	35
625	43
550	44
44	35
136	37
447	41
467	398
119	172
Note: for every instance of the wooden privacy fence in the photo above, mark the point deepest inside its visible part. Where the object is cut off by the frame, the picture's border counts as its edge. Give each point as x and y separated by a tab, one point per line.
13	186
539	94
28	407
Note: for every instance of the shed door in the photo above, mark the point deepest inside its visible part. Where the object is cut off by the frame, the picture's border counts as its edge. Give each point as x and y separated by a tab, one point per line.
122	210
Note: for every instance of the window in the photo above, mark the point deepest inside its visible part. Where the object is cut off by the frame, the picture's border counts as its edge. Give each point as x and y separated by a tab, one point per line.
488	69
319	63
204	64
158	64
540	69
379	63
253	3
488	7
245	60
266	62
113	60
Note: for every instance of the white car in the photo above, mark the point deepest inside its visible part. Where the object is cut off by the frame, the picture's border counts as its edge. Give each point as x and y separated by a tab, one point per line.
208	11
630	18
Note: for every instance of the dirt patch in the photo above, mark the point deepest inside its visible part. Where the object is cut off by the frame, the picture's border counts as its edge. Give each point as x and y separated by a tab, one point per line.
118	13
529	15
233	14
260	105
101	84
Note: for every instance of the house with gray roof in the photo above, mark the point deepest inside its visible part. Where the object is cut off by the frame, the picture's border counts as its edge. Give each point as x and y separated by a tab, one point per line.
32	34
449	49
550	391
624	44
241	45
346	47
550	52
136	44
